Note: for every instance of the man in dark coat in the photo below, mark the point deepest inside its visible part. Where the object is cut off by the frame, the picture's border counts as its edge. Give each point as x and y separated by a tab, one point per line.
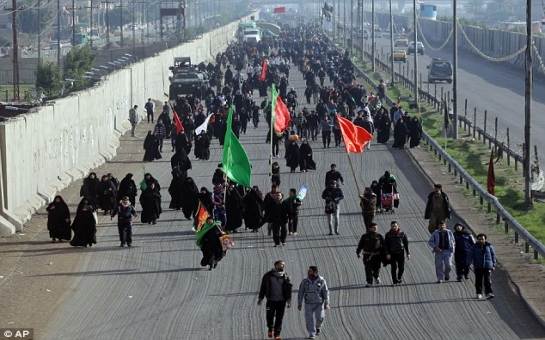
463	241
437	208
368	204
371	244
277	214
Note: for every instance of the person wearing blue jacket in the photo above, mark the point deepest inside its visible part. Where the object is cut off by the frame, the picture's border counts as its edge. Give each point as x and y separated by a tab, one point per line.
464	241
125	212
481	258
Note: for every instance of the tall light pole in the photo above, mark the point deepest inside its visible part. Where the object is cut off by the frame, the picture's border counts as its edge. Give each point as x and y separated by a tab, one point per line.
373	35
528	105
455	70
59	33
351	27
392	45
415	29
39	31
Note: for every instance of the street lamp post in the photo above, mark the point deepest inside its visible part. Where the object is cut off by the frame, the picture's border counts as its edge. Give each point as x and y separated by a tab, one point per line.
528	106
415	29
392	45
455	70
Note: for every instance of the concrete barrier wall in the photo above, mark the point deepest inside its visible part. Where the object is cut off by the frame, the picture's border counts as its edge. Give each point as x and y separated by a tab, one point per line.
43	152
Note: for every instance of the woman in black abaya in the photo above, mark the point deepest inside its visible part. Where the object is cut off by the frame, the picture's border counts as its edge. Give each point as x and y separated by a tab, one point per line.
84	225
58	220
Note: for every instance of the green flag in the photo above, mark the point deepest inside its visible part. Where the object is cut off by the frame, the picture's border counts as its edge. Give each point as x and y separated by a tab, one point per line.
235	162
143	184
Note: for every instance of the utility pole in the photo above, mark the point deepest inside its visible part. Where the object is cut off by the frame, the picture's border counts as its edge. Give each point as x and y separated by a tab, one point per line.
373	63
415	28
121	18
392	83
351	27
15	51
147	22
39	31
58	33
107	21
528	85
133	26
141	18
455	70
91	21
73	9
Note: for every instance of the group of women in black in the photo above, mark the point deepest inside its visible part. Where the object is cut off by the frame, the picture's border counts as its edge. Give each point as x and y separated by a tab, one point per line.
100	194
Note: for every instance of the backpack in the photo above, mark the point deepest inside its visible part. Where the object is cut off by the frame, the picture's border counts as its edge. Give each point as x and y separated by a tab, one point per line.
330	206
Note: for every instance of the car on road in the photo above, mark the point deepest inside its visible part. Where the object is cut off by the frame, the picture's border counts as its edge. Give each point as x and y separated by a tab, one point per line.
401	42
400	55
419	48
439	70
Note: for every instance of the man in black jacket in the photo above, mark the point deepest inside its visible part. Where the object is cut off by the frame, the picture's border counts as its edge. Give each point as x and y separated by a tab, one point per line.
371	244
333	175
276	286
396	244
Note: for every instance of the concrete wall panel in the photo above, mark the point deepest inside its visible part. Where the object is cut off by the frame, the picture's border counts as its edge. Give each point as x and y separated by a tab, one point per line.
42	152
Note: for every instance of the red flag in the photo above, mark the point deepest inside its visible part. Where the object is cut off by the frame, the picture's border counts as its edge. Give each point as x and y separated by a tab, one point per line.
263	70
179	126
490	177
200	217
355	137
282	116
279	10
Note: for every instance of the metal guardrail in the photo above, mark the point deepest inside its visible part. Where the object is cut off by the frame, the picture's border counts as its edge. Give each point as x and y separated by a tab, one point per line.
501	214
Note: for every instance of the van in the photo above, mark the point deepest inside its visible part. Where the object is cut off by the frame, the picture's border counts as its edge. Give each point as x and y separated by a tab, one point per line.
439	70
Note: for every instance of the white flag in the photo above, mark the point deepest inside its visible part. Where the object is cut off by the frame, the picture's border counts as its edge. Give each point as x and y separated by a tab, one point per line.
203	126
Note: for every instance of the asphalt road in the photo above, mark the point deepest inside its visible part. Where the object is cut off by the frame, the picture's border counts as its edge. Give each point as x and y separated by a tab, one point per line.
492	86
157	290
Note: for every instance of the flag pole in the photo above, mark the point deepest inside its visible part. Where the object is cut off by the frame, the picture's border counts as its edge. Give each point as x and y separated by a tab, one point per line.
271	136
353	172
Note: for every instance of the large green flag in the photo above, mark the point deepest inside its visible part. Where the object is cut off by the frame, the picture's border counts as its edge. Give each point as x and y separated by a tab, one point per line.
235	162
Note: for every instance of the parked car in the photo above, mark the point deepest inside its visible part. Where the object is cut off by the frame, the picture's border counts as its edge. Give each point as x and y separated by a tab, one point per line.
401	42
419	48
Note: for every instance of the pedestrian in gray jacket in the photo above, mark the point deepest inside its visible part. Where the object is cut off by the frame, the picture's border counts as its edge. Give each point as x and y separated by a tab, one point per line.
314	292
442	244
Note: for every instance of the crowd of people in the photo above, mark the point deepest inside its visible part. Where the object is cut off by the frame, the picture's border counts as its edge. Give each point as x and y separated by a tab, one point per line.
198	119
